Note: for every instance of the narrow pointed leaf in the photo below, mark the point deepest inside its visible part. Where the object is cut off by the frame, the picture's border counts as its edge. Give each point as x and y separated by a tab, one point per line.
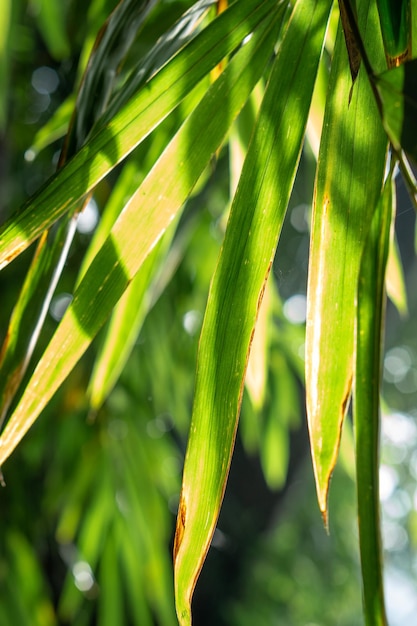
166	46
353	51
112	44
130	126
32	306
348	184
139	227
237	288
370	317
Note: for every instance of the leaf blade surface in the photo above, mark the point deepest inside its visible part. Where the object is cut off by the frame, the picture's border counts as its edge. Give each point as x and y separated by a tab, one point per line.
237	288
348	183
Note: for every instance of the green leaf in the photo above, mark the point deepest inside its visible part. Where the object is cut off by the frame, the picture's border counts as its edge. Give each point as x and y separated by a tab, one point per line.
395	20
395	279
55	128
236	291
348	184
95	90
48	262
257	370
370	317
31	605
125	324
31	309
130	126
50	16
5	23
140	226
98	83
166	46
397	92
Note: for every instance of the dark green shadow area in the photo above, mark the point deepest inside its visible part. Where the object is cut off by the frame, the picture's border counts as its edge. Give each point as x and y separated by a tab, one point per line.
102	287
409	127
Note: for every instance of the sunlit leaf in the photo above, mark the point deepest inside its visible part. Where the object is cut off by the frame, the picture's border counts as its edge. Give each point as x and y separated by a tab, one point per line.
31	309
395	279
353	51
96	88
125	324
348	184
130	126
140	226
257	370
237	288
370	320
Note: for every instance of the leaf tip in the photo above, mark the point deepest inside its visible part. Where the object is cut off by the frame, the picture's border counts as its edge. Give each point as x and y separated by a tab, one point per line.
325	517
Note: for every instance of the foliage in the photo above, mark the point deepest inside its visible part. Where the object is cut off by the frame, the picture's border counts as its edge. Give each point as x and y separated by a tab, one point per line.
184	126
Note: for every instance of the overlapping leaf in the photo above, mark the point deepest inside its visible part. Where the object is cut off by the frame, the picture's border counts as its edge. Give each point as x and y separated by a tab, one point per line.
237	288
44	273
348	184
370	321
130	126
139	227
397	94
95	91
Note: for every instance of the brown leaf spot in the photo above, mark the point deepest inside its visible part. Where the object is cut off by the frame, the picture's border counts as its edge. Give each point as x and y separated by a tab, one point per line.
179	531
13	254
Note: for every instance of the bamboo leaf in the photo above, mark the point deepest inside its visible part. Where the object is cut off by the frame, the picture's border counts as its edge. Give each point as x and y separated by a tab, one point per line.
353	51
257	370
348	183
395	20
237	288
125	324
130	126
370	317
31	309
95	90
141	224
397	92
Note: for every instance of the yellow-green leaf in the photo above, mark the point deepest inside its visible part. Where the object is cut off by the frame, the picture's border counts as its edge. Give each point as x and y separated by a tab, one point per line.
348	184
144	111
236	291
395	280
141	224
